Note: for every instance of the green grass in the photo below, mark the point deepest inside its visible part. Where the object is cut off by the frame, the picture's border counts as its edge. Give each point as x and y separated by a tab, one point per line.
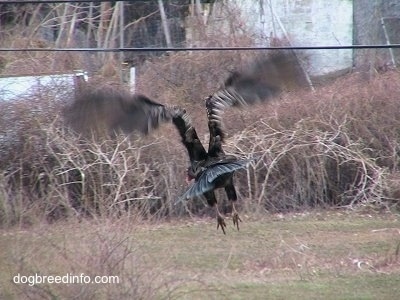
346	287
330	255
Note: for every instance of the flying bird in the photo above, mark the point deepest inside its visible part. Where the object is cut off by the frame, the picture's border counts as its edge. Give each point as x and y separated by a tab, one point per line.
108	110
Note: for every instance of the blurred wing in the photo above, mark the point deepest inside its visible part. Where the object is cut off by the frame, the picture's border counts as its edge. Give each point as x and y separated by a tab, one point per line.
142	114
258	82
264	78
108	110
206	179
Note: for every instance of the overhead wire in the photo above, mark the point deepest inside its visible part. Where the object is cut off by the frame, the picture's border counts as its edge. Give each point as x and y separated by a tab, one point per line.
180	49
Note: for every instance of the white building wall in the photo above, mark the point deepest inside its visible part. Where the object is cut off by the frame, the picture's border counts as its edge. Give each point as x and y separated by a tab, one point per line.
303	23
58	86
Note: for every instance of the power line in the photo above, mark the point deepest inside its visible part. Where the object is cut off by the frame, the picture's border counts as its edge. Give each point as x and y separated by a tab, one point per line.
180	49
67	1
64	1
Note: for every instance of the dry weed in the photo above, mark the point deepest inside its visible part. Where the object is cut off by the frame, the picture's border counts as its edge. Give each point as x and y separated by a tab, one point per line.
338	146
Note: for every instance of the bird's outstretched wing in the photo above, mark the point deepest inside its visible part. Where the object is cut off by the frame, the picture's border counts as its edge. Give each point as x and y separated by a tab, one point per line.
206	183
107	110
260	81
189	137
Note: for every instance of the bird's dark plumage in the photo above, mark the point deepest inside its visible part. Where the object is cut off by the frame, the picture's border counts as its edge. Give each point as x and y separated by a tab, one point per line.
107	111
212	177
189	137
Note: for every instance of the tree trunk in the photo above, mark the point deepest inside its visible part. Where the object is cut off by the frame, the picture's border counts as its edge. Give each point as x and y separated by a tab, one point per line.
164	22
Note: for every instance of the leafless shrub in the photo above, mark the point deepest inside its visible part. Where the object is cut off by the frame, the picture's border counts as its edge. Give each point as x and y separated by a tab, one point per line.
304	168
338	144
335	147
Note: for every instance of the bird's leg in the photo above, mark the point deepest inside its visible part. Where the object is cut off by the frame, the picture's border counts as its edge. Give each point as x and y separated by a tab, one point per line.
235	216
220	220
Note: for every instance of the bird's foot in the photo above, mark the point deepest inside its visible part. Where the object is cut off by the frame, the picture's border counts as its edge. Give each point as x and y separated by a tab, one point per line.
221	222
236	219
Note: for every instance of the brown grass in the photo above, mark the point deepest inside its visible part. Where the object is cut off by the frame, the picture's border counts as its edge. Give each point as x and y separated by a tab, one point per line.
335	254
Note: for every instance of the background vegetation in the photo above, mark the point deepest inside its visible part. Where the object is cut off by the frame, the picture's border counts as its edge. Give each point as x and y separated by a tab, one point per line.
337	146
320	205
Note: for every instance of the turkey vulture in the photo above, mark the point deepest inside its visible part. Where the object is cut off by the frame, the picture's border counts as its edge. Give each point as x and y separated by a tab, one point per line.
210	169
109	110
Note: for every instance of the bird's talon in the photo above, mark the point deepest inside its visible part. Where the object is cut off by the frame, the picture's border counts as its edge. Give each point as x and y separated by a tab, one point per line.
236	219
221	222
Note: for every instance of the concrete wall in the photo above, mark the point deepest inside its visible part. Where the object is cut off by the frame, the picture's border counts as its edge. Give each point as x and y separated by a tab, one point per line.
303	23
368	29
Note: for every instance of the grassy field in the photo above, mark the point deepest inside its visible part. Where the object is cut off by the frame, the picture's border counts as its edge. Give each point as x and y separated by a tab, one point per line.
330	255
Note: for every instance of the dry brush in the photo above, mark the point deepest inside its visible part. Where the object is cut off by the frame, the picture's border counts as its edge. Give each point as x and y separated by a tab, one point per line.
336	147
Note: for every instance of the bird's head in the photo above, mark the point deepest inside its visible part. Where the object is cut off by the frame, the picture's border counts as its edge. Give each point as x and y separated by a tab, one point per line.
193	171
189	175
176	111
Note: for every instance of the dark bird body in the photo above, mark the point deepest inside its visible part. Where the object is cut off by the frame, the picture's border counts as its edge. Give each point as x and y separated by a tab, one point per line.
211	169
